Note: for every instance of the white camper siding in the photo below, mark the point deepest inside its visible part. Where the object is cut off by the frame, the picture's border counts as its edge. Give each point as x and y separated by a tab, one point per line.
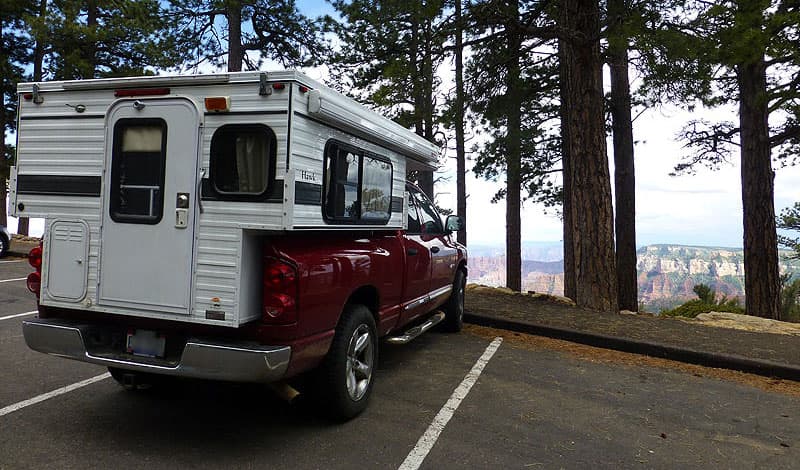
309	138
55	140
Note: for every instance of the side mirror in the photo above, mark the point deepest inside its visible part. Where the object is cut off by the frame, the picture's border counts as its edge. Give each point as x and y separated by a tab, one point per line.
454	223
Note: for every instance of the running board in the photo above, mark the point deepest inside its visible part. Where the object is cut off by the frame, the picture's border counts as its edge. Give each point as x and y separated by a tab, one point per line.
412	333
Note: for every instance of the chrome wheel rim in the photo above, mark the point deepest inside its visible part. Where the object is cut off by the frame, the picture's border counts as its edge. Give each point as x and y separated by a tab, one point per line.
360	358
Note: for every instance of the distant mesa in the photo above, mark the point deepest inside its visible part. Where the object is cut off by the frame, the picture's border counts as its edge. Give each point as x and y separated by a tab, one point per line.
667	273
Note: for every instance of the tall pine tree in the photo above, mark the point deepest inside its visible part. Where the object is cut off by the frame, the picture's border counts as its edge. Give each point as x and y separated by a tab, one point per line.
744	53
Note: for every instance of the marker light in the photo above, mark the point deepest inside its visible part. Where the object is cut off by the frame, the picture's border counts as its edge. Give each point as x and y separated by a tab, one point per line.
218	104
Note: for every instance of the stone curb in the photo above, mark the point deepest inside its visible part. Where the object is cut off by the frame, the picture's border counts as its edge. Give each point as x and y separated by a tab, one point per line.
647	348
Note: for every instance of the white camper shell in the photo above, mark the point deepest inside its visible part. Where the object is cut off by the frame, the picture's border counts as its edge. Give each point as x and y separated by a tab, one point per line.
158	192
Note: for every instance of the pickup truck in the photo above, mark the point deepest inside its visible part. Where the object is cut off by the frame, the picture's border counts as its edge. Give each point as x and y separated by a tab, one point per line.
328	297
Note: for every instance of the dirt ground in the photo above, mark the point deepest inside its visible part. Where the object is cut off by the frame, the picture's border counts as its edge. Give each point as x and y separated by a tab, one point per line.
600	355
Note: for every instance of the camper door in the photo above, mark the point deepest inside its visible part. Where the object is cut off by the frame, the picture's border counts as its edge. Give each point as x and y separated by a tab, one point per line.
149	209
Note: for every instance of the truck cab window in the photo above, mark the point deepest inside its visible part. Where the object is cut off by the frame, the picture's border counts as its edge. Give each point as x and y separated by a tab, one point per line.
358	185
137	171
430	221
242	157
414	226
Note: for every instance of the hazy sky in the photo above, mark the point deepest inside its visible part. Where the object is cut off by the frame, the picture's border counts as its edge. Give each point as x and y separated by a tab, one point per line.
703	209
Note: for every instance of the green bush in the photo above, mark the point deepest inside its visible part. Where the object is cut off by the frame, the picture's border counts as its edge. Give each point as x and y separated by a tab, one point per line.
707	302
695	307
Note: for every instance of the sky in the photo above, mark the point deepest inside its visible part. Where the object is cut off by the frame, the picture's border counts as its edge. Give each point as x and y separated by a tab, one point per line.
701	209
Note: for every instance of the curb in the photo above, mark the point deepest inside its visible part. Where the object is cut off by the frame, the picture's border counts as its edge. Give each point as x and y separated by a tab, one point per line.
665	351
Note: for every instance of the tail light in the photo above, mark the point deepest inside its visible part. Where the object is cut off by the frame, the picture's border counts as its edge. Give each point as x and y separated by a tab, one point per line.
280	292
34	283
34	280
35	258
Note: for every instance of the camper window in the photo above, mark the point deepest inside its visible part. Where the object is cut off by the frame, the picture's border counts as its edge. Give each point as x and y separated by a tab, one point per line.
358	185
242	159
137	171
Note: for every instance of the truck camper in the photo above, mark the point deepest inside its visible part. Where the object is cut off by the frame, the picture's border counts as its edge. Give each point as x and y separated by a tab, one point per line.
249	227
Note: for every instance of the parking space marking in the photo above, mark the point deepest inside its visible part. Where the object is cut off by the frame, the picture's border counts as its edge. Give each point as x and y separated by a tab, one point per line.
10	280
9	317
427	441
46	396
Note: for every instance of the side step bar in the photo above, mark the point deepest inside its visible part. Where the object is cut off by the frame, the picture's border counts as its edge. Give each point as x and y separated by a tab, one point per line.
412	333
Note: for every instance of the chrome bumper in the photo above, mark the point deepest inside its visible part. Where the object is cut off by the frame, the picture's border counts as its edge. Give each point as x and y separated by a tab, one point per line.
200	359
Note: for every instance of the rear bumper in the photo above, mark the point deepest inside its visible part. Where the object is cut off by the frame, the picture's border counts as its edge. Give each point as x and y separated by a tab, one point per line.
202	359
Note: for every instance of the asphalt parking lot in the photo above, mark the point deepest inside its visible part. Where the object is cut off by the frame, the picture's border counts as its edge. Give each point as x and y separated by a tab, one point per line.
529	407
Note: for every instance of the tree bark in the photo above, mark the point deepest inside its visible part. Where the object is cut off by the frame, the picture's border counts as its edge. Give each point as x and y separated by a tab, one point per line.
761	277
461	157
624	175
90	49
426	102
513	157
566	172
233	13
590	183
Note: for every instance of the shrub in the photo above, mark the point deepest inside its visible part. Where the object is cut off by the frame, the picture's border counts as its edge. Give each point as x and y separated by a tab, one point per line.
695	307
706	302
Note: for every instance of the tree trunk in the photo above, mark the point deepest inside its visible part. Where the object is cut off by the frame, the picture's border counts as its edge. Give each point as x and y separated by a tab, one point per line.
233	12
624	175
513	157
90	49
426	102
566	172
461	157
23	223
590	184
761	278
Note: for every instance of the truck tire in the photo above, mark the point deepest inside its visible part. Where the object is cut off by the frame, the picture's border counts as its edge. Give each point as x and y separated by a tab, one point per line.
4	243
454	308
347	372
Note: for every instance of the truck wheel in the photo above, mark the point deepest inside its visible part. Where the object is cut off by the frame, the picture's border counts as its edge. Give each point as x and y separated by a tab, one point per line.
3	246
347	372
454	308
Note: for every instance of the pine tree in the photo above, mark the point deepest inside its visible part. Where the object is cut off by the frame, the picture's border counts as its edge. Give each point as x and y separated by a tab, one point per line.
13	55
513	85
392	52
274	29
591	214
745	53
93	39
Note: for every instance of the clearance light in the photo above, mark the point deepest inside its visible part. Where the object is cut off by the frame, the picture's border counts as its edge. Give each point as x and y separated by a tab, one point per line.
124	92
218	104
303	89
278	86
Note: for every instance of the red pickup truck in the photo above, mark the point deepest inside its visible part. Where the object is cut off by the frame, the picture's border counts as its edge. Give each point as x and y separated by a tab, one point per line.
328	297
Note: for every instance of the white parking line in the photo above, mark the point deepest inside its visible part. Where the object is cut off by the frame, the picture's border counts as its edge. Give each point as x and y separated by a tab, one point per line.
9	317
427	441
10	280
54	393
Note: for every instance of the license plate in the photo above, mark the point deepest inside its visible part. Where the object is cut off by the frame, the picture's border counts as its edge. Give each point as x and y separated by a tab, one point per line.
146	343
